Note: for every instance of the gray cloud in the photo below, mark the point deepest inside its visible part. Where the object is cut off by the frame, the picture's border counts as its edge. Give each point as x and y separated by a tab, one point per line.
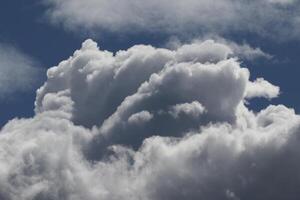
108	91
222	163
146	124
140	117
276	19
225	47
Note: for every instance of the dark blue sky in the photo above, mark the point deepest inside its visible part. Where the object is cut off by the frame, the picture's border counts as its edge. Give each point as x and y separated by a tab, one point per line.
23	25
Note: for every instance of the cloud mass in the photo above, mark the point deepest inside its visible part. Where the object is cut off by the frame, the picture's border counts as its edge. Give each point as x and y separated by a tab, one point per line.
151	123
276	19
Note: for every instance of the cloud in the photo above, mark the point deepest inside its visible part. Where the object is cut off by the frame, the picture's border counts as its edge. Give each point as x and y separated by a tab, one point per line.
146	123
194	109
221	160
245	51
276	19
261	88
282	1
140	117
144	78
203	51
18	72
225	48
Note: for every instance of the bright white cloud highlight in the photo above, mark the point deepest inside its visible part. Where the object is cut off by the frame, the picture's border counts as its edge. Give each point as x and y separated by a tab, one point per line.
194	109
261	88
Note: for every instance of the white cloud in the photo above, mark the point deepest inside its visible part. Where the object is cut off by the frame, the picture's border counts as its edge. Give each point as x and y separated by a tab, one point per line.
103	130
225	48
18	72
203	51
140	117
194	109
263	17
261	88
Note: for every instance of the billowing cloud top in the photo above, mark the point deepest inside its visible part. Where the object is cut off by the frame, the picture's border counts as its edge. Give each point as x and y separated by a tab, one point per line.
151	123
275	19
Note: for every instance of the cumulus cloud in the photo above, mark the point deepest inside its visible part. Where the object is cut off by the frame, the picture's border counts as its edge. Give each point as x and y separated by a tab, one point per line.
262	88
203	51
278	17
144	78
151	123
18	72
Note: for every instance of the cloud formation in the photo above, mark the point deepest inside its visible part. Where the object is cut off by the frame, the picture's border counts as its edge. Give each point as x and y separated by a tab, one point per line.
244	51
262	88
18	72
151	123
276	19
194	109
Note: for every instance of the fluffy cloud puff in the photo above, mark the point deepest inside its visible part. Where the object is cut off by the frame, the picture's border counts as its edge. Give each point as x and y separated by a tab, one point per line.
189	16
262	88
149	123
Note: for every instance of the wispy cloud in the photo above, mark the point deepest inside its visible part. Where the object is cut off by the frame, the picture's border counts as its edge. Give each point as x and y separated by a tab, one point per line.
276	19
18	72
